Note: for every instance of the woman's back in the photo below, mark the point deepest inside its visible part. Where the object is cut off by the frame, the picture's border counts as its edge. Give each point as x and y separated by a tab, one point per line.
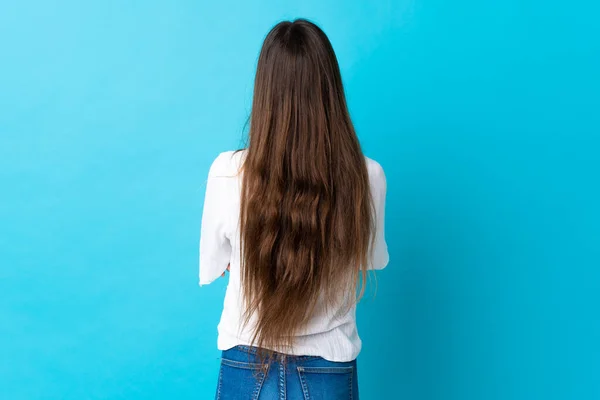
331	332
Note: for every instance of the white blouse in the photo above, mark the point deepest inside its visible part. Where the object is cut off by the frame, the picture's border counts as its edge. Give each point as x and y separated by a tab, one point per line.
332	332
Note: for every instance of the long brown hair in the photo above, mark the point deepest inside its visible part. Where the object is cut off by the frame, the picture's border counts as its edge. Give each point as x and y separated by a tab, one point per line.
306	210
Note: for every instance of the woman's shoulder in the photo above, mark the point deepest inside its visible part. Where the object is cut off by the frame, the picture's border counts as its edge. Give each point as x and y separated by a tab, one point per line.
375	170
227	164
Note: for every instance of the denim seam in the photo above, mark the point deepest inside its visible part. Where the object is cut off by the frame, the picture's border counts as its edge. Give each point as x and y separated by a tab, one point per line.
247	349
303	383
258	388
328	370
282	388
306	358
350	384
220	380
241	364
253	350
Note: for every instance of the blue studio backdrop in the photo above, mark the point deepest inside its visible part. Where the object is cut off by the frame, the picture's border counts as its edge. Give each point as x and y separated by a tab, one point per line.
484	115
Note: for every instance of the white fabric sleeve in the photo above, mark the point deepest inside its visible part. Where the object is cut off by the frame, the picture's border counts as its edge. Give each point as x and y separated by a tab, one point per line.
215	247
380	255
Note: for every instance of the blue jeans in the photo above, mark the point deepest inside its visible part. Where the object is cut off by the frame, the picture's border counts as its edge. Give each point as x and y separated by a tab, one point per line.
243	377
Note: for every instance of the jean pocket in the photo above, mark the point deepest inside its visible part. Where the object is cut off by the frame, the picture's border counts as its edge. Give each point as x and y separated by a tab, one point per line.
326	383
240	380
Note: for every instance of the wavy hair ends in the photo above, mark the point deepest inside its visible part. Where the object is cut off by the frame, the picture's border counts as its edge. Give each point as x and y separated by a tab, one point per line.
306	218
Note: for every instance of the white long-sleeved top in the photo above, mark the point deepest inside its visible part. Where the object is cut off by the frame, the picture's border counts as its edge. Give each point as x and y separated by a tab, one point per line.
332	333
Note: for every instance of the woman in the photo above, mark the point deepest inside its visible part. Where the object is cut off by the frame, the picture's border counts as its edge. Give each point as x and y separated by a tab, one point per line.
298	219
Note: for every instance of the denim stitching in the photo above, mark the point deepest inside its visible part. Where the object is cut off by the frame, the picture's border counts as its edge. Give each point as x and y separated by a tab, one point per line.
253	350
240	364
247	349
220	380
282	391
258	387
328	370
306	358
350	386
303	383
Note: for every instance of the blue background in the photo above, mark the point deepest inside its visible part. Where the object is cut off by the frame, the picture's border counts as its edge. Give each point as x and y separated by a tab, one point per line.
485	116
